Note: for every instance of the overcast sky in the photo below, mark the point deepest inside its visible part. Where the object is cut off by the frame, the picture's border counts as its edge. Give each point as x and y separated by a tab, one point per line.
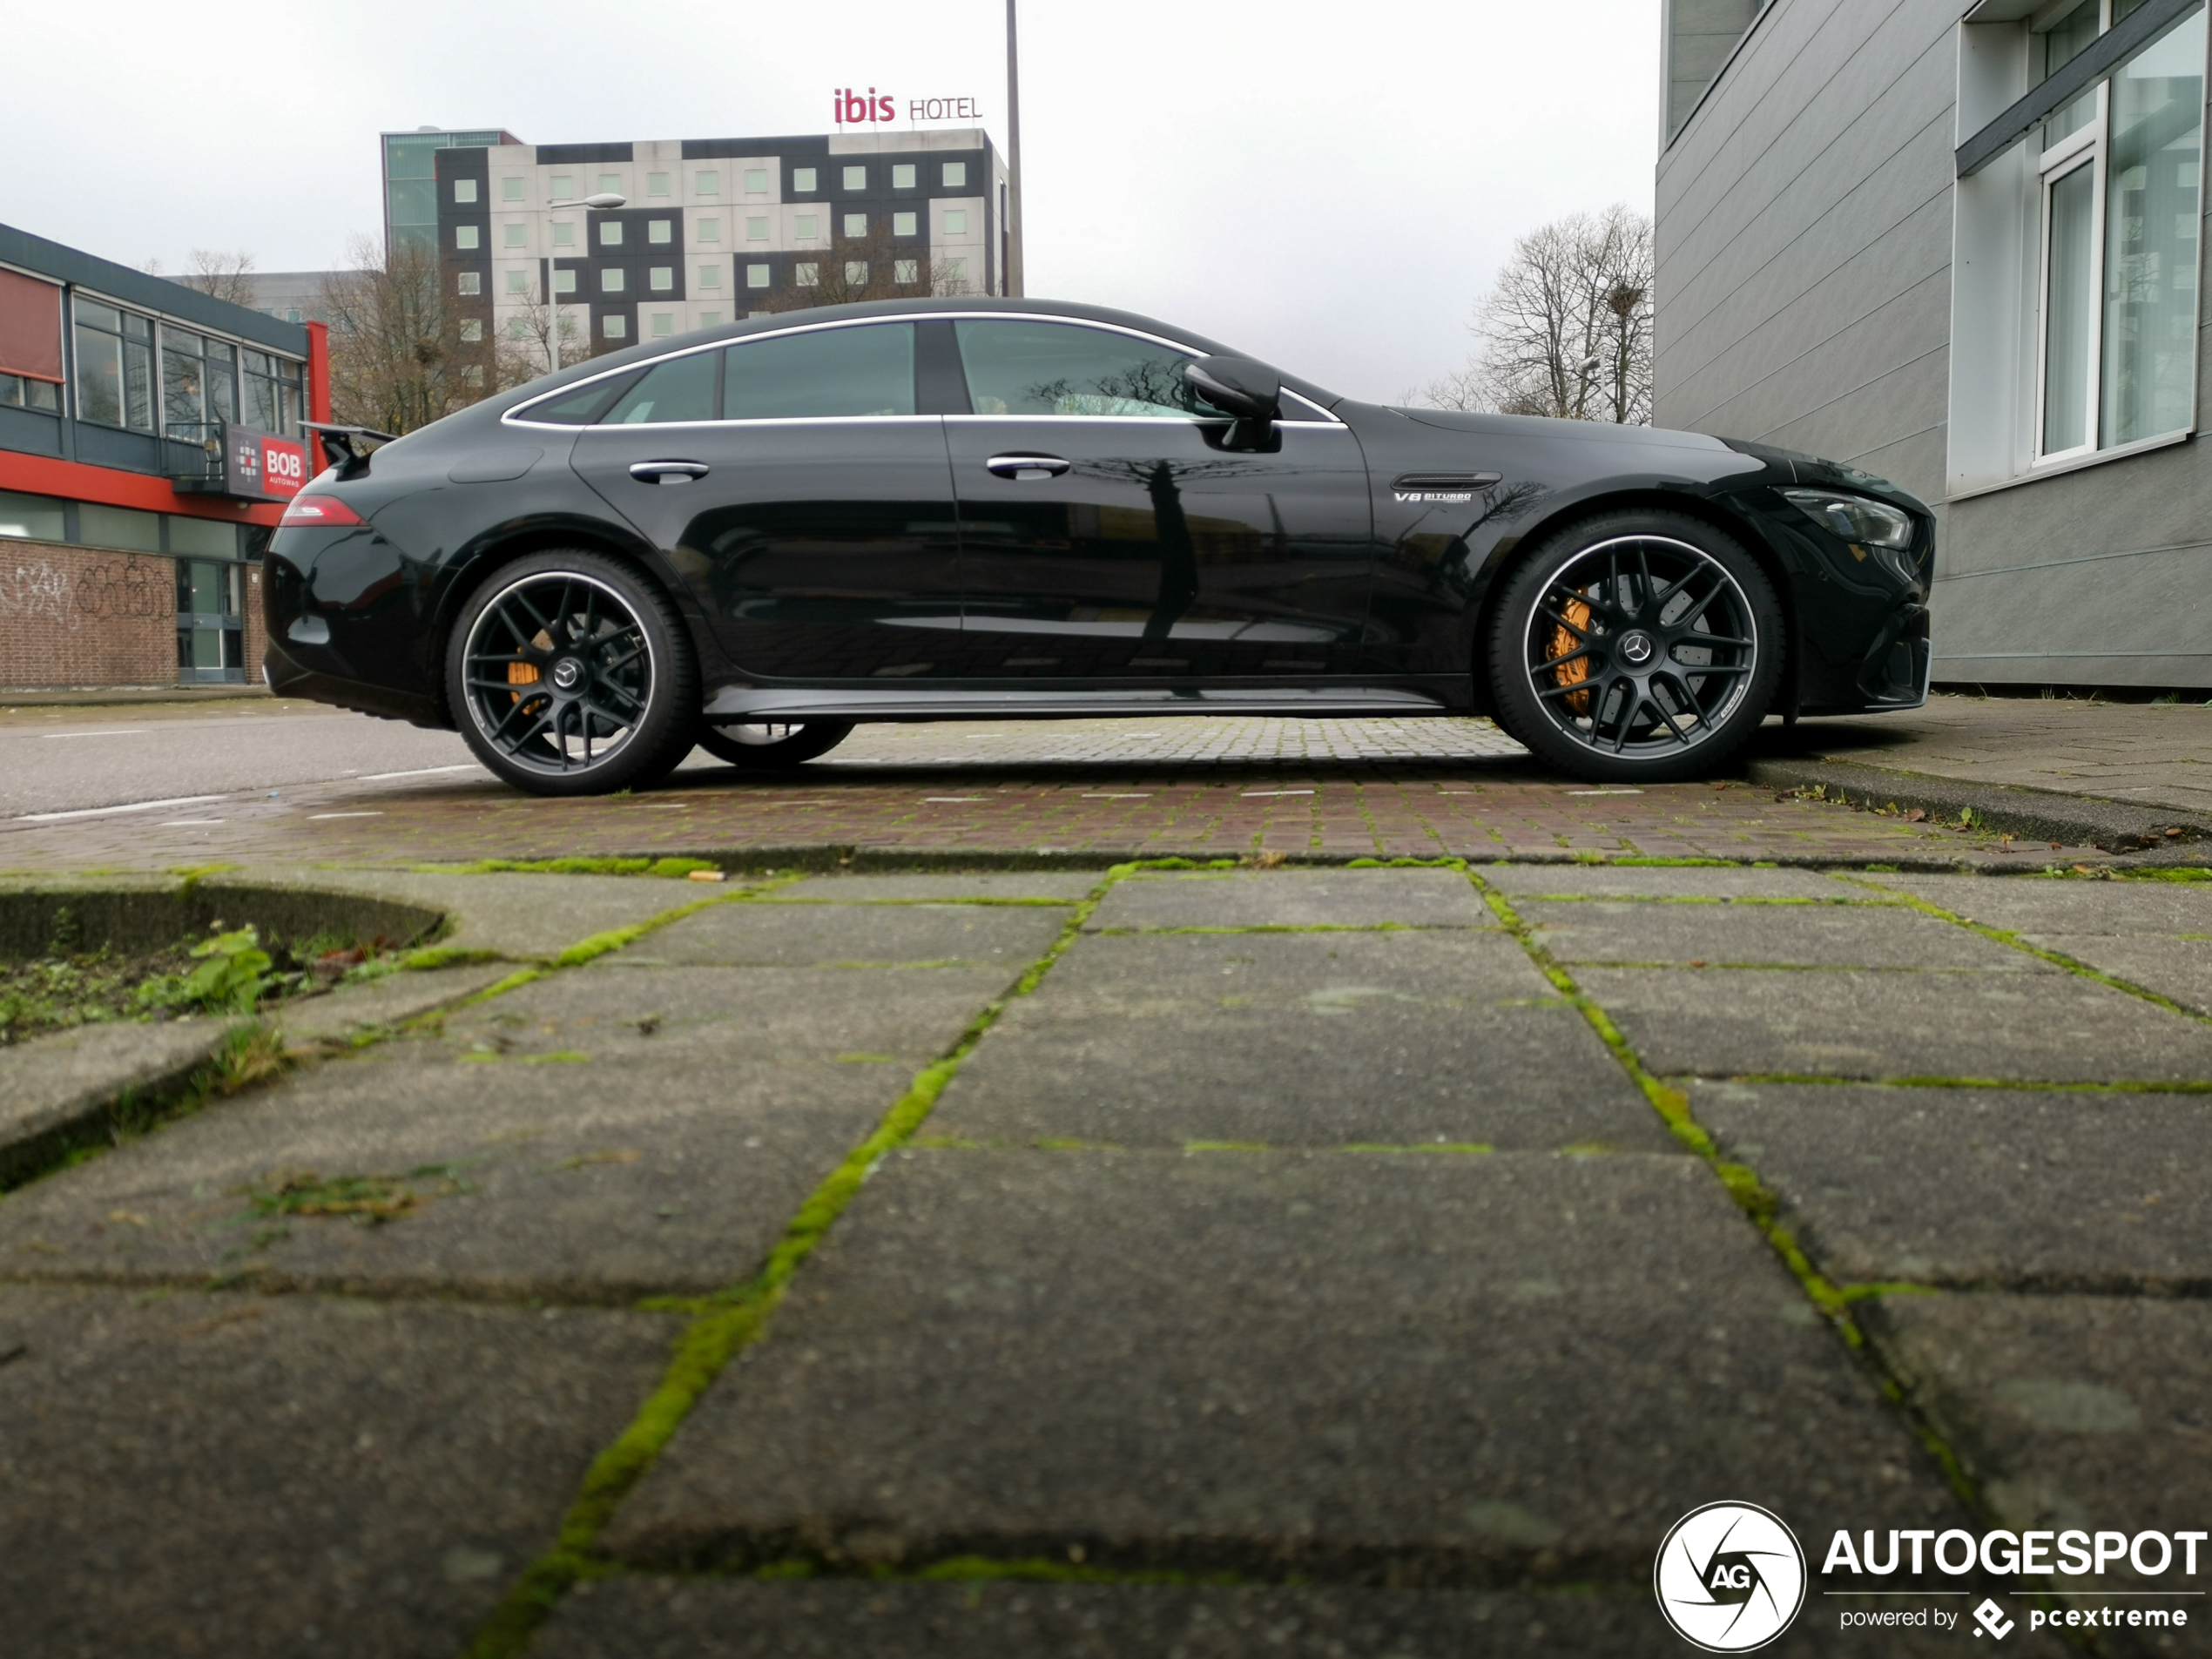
1327	185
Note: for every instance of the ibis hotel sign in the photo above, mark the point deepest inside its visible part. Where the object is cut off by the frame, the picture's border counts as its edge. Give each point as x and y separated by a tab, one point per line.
851	108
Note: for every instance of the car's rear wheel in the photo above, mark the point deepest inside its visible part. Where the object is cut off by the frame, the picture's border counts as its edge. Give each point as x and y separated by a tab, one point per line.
768	746
570	674
1637	647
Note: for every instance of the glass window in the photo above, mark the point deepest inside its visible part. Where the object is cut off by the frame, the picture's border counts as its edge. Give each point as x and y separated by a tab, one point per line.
906	270
472	329
906	224
563	234
756	230
1024	368
806	275
709	276
662	279
222	379
210	538
510	190
802	179
710	230
856	178
680	389
664	325
756	276
464	237
609	232
707	184
2064	40
518	328
21	392
184	387
562	187
610	279
656	183
269	389
516	235
518	282
114	366
756	181
464	190
856	225
902	175
472	282
616	327
956	270
955	174
611	183
856	274
2153	172
35	517
710	319
119	526
827	373
659	230
956	221
807	226
564	282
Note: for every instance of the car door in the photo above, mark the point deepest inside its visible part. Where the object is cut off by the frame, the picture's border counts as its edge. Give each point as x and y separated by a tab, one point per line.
1108	532
790	480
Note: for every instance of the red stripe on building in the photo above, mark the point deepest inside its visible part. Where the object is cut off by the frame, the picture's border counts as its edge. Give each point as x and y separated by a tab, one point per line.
43	475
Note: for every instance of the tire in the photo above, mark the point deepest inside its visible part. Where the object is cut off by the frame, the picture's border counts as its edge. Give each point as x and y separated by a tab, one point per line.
1637	647
617	682
768	747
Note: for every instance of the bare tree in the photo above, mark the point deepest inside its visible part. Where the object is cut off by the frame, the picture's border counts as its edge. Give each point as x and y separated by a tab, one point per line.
224	275
404	352
1567	329
874	266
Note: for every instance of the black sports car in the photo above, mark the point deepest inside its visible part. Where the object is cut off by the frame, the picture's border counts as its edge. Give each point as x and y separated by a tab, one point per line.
753	538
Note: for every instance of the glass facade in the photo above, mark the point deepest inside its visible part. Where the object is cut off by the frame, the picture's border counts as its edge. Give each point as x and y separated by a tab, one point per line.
410	184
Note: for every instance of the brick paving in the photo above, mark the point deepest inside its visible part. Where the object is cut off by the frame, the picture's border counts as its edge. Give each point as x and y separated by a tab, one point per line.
1208	786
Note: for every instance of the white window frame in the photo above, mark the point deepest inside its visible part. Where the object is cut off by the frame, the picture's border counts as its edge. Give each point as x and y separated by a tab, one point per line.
2077	150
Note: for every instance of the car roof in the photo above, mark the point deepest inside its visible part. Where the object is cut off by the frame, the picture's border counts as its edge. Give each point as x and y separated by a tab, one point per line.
774	322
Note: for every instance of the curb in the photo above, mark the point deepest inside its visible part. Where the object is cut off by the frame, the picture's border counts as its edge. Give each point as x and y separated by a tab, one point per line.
2033	814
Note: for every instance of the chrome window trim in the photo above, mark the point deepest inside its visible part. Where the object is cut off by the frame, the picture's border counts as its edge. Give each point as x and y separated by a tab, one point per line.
517	417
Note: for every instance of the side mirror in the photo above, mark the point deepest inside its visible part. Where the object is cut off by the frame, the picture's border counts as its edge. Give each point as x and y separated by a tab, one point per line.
1237	385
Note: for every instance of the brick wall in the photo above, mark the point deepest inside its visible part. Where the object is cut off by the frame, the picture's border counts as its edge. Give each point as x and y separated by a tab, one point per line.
76	616
257	633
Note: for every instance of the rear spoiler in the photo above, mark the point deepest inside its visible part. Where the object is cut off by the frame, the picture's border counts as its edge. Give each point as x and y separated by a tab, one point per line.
348	447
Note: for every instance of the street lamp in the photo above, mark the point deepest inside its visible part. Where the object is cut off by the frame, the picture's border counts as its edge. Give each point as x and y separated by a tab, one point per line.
605	202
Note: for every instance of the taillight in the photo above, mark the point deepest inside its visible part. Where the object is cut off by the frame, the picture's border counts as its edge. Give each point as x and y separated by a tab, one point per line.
323	510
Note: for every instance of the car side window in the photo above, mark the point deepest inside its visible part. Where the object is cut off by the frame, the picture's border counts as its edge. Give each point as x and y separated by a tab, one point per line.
824	373
680	389
1017	366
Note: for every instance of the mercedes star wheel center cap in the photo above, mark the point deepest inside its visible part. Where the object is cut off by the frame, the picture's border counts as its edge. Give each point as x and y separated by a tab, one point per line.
567	673
1636	649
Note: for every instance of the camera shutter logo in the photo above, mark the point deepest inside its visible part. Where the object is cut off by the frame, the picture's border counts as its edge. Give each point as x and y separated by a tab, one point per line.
1729	1577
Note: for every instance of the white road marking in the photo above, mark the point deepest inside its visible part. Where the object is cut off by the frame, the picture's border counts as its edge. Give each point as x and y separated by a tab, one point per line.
1605	792
187	823
1145	796
950	800
132	732
1263	794
419	771
134	806
315	818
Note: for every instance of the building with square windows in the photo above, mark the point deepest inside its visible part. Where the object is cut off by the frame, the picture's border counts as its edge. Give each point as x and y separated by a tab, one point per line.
1957	243
148	437
711	229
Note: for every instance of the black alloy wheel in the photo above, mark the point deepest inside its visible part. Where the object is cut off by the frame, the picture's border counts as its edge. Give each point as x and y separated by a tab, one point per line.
1643	646
767	746
570	674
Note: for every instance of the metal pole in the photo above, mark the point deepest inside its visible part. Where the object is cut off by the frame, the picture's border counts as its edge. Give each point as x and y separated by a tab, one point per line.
1013	285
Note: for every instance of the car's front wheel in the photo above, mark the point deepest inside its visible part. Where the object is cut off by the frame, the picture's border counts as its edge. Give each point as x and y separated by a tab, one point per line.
767	746
1637	647
568	673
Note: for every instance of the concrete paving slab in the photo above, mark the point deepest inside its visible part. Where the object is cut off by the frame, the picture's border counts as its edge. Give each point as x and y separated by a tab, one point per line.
353	1009
1457	1371
1811	935
701	1618
1067	885
1008	937
2034	904
400	1172
1660	881
1293	898
2176	968
1872	1024
1298	1040
526	917
1966	1187
229	1475
53	1083
2069	1410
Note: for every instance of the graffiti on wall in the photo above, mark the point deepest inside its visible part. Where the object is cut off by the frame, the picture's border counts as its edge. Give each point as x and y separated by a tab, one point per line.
37	589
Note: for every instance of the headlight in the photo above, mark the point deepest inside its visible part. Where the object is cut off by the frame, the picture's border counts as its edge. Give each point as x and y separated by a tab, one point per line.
1855	518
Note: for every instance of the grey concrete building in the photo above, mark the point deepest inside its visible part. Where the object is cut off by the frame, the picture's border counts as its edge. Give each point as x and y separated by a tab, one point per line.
1957	245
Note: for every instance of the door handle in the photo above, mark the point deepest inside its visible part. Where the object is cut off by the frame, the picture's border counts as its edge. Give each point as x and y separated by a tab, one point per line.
1025	469
668	472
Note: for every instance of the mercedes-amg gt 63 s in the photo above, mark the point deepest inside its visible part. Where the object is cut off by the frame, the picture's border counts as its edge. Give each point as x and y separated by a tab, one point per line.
750	538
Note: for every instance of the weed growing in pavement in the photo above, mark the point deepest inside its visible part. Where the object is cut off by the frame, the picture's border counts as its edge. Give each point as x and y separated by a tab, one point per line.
369	1200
